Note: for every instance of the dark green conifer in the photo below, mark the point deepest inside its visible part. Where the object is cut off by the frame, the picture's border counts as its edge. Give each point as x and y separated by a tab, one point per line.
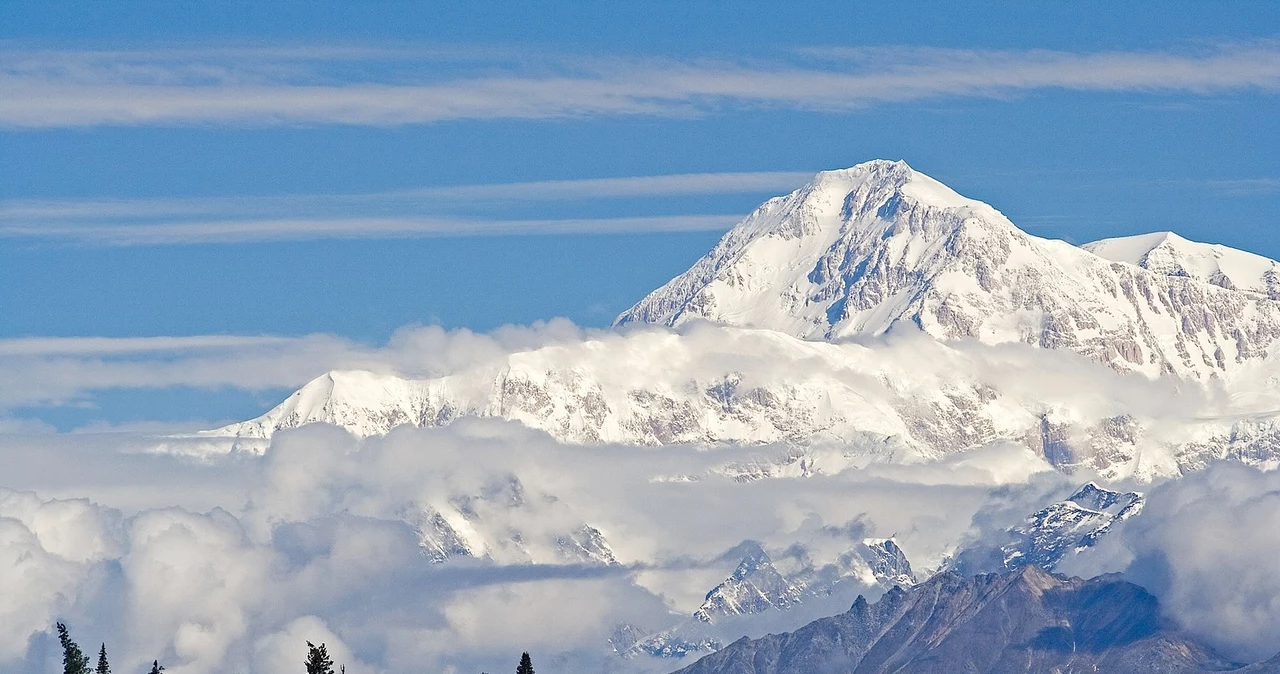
156	667
318	660
526	665
73	660
103	667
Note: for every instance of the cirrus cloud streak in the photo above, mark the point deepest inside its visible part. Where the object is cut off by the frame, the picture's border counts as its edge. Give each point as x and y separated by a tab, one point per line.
68	89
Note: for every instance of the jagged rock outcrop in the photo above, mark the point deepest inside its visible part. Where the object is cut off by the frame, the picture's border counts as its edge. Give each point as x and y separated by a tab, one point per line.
1048	535
756	585
1052	533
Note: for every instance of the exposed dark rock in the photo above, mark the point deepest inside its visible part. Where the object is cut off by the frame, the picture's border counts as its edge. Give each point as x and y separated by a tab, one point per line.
1026	621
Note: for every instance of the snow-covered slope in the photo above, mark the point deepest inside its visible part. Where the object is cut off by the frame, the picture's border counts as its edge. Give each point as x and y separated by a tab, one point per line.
907	398
490	523
860	250
1169	254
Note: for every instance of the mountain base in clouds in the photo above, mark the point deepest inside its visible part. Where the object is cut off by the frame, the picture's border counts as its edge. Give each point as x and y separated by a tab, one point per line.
1027	621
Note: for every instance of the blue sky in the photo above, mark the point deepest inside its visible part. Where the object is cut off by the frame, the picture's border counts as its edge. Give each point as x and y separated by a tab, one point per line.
350	168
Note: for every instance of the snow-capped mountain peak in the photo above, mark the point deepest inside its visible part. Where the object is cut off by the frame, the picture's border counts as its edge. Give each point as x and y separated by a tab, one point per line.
1169	254
856	252
757	585
784	267
1060	529
860	250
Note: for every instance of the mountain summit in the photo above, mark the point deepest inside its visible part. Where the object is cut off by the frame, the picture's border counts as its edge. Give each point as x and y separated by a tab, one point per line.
860	250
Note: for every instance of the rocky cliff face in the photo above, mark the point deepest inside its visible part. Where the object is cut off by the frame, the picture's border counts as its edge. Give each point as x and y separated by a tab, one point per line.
1023	621
860	250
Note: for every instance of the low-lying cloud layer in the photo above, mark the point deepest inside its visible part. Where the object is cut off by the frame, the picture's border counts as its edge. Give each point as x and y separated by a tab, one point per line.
327	546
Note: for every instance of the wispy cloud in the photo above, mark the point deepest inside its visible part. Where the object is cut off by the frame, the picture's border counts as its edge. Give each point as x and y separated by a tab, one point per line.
638	186
16	210
420	212
1246	186
241	231
389	87
101	346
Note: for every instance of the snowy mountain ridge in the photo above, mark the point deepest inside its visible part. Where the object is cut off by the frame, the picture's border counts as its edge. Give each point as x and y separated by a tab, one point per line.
1058	530
834	278
1169	254
757	585
834	405
860	250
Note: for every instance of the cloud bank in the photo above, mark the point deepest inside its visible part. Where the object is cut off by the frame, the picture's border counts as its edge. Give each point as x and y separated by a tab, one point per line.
1206	545
328	545
308	229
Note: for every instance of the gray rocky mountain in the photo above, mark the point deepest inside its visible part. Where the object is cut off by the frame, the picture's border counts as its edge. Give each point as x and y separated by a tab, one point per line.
757	586
1051	533
1025	621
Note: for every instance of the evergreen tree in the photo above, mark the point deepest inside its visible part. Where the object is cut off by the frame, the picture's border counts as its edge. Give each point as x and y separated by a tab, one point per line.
73	661
526	665
318	660
156	667
103	667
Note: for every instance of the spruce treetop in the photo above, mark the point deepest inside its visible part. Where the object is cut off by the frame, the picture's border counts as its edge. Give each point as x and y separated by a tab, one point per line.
103	666
73	660
318	660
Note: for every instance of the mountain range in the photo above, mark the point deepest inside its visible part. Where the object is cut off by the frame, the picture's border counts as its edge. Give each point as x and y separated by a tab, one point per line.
876	316
1022	621
758	586
797	329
